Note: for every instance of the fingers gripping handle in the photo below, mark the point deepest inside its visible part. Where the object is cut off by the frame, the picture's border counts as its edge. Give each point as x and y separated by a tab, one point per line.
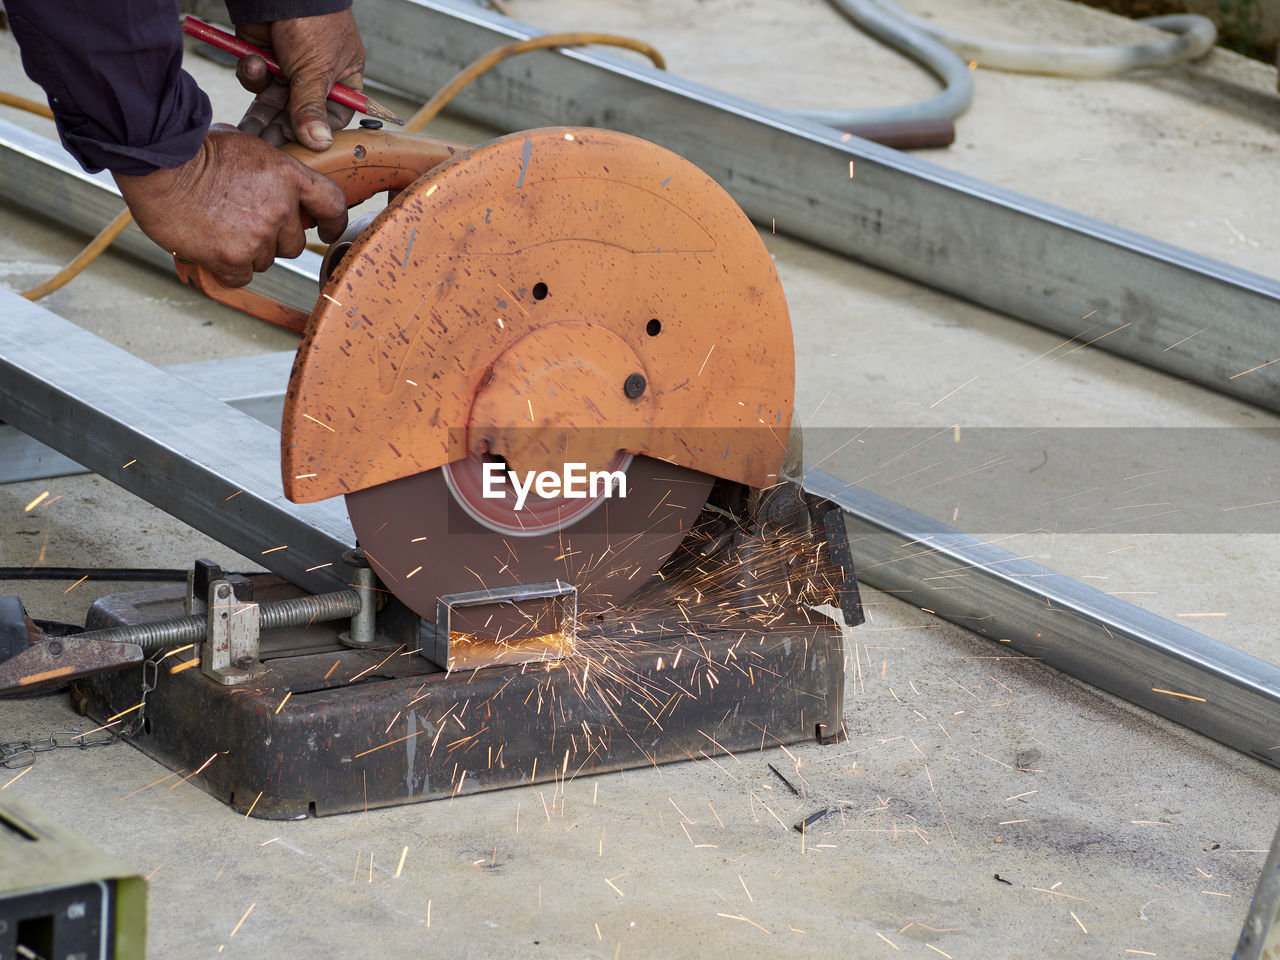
364	162
361	162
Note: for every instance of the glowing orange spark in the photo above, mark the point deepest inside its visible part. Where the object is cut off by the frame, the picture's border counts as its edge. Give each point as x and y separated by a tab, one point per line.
36	502
1251	369
1185	696
125	713
194	772
244	918
713	346
1058	893
150	785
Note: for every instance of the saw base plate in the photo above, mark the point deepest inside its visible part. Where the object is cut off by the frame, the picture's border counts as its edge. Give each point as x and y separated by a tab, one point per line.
373	728
724	649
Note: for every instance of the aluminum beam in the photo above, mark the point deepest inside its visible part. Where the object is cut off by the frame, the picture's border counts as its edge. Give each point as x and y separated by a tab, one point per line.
159	437
1185	676
36	174
1029	259
209	465
254	385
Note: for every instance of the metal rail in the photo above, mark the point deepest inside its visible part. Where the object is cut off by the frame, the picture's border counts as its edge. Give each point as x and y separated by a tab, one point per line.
1020	256
207	464
254	385
1031	260
1182	675
189	454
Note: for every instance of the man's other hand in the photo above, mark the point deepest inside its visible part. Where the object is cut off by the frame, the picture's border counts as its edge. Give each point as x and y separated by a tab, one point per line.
235	206
315	53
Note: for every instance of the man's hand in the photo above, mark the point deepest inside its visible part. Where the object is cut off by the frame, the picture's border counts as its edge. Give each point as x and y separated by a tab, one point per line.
314	53
235	206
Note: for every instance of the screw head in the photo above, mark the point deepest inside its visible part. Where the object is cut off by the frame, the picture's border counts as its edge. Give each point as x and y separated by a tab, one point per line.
55	648
224	591
634	386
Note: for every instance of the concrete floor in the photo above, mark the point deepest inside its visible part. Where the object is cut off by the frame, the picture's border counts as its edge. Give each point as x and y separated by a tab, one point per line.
1128	837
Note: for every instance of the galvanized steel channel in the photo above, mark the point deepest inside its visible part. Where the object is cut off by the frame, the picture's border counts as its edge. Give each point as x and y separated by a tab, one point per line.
1185	676
1020	256
185	451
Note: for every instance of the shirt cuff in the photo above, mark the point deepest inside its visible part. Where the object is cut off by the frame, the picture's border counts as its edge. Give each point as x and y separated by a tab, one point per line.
263	11
96	148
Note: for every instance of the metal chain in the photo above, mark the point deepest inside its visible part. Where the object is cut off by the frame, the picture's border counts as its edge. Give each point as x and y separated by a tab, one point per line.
22	753
150	674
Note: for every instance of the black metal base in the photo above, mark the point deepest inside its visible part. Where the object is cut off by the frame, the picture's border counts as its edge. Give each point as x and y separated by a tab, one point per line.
698	665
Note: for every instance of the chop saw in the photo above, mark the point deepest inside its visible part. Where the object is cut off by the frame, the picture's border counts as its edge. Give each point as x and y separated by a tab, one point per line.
553	380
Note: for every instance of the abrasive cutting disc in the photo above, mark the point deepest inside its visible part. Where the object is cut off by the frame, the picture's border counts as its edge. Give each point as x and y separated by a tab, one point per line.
553	298
423	543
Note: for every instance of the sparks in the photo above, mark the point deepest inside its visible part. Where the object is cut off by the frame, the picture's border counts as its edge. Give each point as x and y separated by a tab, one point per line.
36	502
713	346
17	778
1185	696
244	918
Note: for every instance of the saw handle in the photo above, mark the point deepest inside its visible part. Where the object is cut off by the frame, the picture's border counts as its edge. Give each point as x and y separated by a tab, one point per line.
361	162
364	162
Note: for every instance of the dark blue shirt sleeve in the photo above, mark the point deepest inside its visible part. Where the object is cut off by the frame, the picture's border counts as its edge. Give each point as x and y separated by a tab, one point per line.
113	75
261	11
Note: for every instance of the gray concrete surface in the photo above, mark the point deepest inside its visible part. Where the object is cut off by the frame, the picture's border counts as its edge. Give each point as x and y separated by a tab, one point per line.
1125	837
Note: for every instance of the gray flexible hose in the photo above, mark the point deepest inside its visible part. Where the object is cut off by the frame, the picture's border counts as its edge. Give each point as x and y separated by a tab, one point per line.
915	43
946	54
1192	37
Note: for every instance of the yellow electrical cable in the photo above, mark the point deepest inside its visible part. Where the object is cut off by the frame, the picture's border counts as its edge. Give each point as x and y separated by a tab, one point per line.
425	114
22	103
83	258
95	246
574	39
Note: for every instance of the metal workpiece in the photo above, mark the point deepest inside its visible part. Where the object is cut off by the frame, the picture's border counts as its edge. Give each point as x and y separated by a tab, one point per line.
443	647
1026	258
254	385
1260	935
37	175
1182	675
209	465
1023	257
